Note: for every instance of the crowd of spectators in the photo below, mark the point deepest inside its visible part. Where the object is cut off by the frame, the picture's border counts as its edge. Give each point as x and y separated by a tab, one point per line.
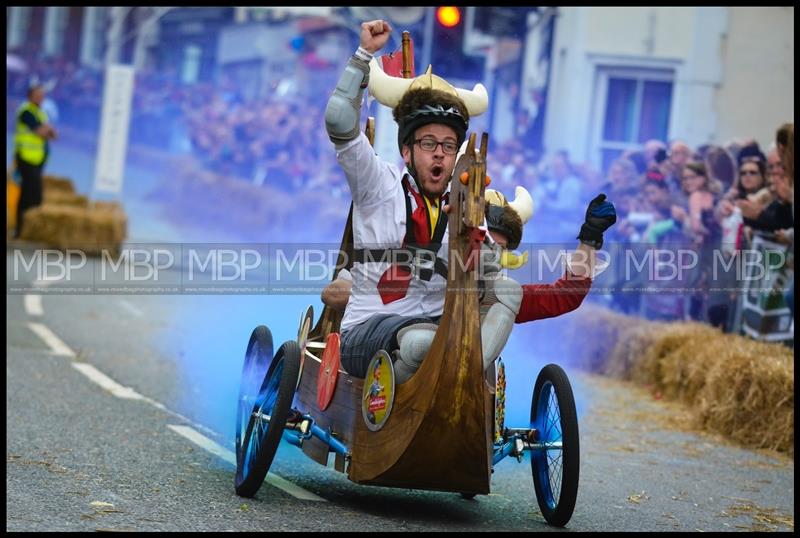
274	139
710	200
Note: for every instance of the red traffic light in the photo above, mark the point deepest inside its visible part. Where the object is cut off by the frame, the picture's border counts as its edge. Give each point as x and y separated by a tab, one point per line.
448	16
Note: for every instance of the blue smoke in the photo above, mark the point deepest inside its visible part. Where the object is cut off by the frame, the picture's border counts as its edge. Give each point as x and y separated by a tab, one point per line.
213	332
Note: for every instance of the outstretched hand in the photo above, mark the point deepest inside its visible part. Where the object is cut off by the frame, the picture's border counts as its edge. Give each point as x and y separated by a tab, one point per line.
600	216
374	35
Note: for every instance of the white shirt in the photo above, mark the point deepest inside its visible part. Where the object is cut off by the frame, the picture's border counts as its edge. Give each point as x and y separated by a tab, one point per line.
344	274
379	221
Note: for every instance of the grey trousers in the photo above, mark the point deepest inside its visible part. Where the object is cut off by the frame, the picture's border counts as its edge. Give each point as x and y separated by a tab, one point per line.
360	343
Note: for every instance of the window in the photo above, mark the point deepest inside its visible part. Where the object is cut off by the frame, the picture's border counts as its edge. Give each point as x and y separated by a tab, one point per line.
95	20
18	21
633	107
191	64
54	28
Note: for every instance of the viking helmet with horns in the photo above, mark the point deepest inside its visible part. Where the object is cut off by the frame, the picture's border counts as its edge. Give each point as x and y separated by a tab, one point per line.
426	99
507	217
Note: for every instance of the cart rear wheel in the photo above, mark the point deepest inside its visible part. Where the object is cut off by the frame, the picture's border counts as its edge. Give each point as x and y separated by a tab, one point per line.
267	420
555	461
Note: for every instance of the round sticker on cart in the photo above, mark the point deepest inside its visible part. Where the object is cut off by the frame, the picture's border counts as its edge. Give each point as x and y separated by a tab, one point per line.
378	396
328	372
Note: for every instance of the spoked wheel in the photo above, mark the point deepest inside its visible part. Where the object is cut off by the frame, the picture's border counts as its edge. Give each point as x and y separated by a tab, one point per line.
555	460
267	419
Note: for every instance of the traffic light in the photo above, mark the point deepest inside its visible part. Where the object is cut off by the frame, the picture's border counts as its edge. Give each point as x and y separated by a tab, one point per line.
447	49
448	16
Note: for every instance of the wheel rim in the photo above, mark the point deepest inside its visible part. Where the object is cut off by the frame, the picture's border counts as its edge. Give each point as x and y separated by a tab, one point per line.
549	462
258	418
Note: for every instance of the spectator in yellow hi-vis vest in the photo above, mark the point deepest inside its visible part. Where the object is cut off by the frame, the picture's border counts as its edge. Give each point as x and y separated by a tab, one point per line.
30	150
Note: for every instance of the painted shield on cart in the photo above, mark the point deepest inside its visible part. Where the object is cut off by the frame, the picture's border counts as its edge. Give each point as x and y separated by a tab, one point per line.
328	372
378	396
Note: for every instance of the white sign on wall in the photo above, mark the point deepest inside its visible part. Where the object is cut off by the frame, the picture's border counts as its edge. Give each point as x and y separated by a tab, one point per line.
114	122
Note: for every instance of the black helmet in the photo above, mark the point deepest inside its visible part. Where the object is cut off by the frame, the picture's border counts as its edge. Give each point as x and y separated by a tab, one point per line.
423	106
503	219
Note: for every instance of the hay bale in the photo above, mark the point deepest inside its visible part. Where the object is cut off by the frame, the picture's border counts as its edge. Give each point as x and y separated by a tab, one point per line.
679	359
92	229
741	388
67	219
55	190
106	205
748	395
62	197
57	183
625	360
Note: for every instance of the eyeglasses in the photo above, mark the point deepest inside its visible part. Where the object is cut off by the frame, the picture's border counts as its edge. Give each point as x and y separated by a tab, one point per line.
749	173
430	144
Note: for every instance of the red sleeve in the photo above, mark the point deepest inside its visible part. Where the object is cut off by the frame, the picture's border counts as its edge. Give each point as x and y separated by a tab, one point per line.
541	301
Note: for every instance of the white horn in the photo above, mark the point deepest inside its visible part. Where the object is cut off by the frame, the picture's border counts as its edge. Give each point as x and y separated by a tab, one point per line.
476	100
495	197
522	204
386	89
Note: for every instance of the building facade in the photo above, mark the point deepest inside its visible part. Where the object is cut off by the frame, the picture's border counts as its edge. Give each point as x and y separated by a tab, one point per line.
622	76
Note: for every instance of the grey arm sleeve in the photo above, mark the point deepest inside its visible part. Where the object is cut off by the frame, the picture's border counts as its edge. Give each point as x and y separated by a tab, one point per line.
343	112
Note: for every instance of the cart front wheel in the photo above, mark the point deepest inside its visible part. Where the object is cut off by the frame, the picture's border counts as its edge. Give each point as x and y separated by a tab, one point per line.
267	420
555	459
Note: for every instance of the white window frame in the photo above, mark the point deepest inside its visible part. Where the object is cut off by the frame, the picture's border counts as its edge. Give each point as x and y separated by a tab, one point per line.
641	69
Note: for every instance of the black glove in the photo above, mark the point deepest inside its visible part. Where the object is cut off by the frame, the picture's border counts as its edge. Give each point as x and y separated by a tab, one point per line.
600	215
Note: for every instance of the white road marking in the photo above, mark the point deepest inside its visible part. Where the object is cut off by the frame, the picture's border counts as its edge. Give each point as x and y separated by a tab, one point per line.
193	435
106	382
204	442
33	305
292	489
209	445
130	308
55	343
128	393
